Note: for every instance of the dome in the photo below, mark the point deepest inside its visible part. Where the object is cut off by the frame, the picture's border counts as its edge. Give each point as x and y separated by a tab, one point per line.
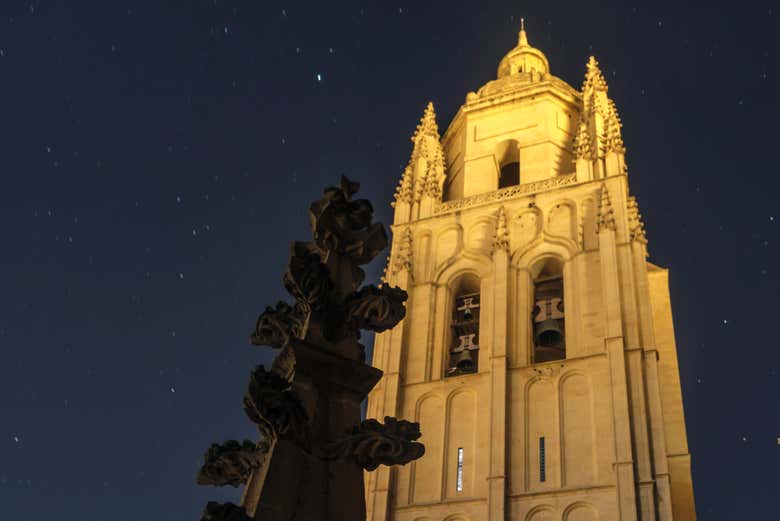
523	58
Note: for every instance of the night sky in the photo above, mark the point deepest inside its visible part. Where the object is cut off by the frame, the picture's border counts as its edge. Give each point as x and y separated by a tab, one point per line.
158	159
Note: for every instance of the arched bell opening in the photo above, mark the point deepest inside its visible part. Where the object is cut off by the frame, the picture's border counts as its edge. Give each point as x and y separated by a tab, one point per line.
548	319
508	159
463	355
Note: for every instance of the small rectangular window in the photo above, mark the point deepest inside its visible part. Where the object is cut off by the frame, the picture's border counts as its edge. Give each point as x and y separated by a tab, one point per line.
459	482
542	472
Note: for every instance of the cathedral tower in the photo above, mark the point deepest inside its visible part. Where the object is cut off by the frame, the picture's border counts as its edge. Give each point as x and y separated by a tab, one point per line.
538	352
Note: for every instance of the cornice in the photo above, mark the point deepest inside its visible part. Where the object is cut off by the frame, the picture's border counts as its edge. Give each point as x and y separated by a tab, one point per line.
506	193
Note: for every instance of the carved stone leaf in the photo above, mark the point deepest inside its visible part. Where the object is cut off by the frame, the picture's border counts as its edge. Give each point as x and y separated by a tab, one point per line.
276	326
342	225
231	463
307	278
224	512
271	403
376	309
371	444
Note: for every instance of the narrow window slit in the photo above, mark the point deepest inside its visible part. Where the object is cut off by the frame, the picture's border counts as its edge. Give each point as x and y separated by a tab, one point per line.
459	482
542	472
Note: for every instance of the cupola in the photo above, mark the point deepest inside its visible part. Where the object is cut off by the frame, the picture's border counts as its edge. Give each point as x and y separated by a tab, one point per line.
523	58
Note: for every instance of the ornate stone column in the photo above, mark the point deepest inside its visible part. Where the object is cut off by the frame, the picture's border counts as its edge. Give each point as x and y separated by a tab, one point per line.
314	449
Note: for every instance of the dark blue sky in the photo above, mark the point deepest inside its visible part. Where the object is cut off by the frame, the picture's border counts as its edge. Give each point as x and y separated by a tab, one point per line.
158	159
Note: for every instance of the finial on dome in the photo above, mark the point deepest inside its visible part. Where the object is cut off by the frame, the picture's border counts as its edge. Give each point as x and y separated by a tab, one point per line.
523	38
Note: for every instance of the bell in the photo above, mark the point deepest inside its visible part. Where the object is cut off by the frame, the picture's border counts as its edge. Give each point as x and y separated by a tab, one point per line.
548	333
464	361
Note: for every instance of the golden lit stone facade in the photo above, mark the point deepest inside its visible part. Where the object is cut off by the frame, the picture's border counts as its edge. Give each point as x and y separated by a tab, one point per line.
538	352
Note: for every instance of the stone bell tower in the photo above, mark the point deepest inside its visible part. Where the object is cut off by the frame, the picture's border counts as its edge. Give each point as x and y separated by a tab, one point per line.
538	352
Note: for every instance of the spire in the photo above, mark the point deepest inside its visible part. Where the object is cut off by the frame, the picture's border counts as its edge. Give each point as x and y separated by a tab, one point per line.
582	144
614	141
501	240
636	227
404	191
522	39
424	174
402	259
599	130
427	125
594	81
606	216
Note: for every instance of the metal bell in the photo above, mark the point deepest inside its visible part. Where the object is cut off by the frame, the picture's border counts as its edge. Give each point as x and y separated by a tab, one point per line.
549	333
464	361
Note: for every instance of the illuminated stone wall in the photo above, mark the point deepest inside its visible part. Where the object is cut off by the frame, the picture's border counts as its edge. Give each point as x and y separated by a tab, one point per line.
610	412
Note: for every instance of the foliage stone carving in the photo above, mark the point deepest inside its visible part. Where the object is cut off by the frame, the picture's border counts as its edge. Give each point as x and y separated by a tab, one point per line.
376	309
372	443
230	464
271	403
276	326
342	225
307	278
224	512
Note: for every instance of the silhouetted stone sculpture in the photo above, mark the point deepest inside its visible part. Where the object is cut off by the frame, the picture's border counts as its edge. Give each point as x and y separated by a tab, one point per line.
224	512
307	406
372	444
271	403
231	463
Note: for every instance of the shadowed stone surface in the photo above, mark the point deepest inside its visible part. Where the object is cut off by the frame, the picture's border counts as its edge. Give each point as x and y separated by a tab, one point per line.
311	396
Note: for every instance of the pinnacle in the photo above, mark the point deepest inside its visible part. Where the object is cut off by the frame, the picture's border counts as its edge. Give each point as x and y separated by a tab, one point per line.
402	259
595	141
427	124
404	191
635	224
606	216
594	79
582	145
426	180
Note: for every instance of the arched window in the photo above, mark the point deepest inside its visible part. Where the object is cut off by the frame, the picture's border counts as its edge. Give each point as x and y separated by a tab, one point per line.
547	317
464	346
508	159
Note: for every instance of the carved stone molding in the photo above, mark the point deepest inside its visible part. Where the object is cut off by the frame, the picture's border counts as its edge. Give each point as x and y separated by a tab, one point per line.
371	444
501	239
548	371
231	463
507	193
